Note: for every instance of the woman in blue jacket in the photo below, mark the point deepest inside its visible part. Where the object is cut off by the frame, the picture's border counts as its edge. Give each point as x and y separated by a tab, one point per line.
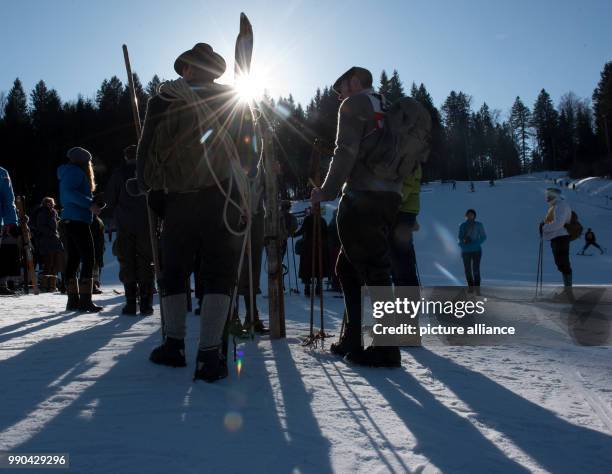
77	184
471	237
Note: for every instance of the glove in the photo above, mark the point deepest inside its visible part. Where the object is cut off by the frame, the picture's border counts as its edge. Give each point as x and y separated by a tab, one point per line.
541	228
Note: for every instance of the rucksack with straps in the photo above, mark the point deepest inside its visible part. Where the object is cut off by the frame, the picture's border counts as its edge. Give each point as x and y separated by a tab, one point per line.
403	137
574	227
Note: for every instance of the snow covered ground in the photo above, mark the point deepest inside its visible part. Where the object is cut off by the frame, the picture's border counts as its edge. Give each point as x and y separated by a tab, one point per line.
82	384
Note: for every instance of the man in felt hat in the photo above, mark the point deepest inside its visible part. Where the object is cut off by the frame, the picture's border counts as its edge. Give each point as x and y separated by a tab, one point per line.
133	244
190	140
366	213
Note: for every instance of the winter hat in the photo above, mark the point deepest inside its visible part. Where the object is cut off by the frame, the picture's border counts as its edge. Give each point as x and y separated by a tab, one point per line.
552	193
78	155
472	211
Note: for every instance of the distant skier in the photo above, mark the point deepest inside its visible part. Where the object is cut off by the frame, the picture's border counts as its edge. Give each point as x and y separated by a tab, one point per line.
590	239
472	188
553	229
491	183
471	236
77	184
454	185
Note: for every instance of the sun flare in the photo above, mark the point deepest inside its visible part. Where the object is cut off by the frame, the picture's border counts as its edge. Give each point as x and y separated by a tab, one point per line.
250	88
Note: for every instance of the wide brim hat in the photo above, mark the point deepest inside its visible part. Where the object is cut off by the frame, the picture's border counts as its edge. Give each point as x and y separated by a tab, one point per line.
362	73
202	57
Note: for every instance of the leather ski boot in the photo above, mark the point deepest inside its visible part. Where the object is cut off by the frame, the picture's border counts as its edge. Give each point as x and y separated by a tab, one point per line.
146	299
85	303
211	365
170	353
72	290
130	299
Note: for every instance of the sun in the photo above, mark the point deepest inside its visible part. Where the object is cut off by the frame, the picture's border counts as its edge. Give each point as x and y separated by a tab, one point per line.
250	88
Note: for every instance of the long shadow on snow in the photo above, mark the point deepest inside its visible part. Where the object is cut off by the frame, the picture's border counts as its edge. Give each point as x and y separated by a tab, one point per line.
557	445
307	440
448	440
150	418
27	377
51	321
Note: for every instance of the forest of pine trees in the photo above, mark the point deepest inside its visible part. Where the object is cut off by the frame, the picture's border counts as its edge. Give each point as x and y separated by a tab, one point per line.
468	142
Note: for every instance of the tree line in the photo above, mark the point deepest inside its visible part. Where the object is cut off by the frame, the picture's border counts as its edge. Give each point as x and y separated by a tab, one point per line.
467	143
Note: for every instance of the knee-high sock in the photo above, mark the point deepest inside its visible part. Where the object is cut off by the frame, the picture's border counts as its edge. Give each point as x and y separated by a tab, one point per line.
175	310
215	308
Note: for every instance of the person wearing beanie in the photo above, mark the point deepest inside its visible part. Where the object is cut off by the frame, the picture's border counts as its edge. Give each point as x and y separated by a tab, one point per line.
553	229
471	236
76	185
132	246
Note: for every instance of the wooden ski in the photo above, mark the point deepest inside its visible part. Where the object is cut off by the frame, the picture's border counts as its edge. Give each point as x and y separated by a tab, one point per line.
26	239
276	295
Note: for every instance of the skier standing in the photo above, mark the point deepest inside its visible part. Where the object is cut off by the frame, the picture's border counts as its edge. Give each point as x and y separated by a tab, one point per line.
553	229
471	236
132	245
366	213
50	247
77	184
590	239
8	227
187	161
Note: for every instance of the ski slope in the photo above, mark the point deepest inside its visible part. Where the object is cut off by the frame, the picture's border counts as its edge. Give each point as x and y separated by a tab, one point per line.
83	385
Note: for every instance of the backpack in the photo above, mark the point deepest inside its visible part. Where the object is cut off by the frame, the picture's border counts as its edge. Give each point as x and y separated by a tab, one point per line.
402	137
574	227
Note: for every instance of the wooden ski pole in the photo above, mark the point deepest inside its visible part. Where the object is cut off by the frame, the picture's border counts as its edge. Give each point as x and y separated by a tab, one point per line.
151	217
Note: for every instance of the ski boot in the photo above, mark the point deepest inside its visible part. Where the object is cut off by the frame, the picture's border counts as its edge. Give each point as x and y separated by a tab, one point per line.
146	299
85	303
72	290
170	353
130	299
376	357
211	365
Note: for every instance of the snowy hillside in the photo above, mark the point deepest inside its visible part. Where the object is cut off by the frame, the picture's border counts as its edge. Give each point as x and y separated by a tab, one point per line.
82	384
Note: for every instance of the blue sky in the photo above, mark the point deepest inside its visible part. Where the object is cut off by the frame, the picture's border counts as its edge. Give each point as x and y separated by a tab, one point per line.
492	50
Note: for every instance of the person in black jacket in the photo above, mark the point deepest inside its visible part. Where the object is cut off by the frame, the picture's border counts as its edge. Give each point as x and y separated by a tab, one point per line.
49	245
590	239
133	244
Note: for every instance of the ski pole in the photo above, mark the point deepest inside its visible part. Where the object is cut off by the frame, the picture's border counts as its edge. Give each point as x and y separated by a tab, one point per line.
295	275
